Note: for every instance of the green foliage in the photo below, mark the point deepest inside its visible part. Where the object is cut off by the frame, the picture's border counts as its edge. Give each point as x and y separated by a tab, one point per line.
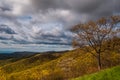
109	74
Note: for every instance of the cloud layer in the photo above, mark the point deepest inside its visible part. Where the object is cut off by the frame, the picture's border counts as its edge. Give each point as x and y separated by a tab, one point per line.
48	21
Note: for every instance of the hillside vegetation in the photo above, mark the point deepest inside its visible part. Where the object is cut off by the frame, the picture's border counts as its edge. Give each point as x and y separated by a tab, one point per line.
108	74
56	66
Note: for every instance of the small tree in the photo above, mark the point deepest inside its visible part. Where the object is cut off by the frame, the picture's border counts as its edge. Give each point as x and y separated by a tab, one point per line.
91	36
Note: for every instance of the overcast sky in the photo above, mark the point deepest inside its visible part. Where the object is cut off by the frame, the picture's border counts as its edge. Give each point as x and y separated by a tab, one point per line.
43	25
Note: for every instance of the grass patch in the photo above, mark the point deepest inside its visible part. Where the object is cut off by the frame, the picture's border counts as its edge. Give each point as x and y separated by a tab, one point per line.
108	74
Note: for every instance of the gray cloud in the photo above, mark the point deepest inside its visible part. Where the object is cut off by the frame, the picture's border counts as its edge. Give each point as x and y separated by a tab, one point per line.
49	10
6	29
78	5
48	21
5	8
92	8
4	38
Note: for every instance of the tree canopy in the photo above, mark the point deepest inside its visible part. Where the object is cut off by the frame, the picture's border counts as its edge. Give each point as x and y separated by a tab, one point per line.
92	35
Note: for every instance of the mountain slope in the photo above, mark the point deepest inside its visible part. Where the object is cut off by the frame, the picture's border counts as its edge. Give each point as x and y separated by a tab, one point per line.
108	74
28	62
56	66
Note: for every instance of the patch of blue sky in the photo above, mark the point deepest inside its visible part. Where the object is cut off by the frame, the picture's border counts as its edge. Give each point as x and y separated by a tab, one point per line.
24	17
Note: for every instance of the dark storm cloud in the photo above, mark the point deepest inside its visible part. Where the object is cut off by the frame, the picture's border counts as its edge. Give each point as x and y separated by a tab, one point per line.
16	41
78	5
6	29
92	8
53	43
5	8
52	39
4	38
55	36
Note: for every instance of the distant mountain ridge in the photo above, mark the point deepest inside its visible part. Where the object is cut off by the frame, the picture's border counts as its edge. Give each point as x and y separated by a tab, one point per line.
15	55
22	54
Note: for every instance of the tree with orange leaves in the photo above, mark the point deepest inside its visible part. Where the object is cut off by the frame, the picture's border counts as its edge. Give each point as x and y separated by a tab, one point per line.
92	35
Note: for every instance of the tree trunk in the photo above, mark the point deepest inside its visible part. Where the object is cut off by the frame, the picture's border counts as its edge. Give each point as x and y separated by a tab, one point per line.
99	62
